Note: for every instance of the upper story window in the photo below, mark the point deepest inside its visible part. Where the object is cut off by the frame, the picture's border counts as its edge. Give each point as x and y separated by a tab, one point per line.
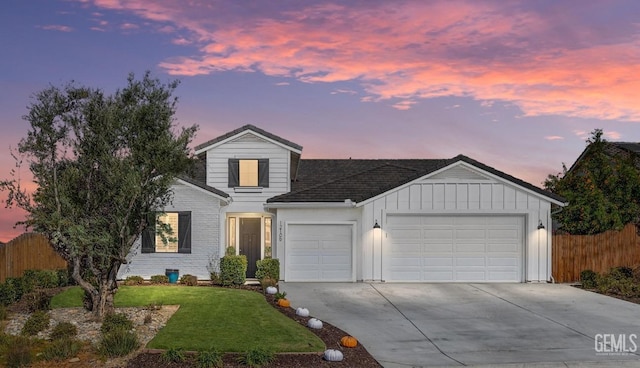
250	173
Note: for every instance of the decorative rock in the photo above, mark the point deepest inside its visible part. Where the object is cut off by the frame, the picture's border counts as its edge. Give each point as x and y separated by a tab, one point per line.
74	360
271	290
333	355
315	323
302	312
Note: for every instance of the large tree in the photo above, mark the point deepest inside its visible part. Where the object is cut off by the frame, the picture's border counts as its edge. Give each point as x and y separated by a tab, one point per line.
102	164
603	189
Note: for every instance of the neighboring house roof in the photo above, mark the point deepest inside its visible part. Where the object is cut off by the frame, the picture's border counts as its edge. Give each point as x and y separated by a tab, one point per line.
253	128
359	180
613	149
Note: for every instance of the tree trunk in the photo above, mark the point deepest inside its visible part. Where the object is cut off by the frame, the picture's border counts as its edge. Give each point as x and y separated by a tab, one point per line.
101	296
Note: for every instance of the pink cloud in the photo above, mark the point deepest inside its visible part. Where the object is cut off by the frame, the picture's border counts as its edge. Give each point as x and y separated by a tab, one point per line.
545	63
554	138
57	27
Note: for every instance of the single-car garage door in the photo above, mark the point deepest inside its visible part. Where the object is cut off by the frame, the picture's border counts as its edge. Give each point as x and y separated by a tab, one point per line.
319	252
455	248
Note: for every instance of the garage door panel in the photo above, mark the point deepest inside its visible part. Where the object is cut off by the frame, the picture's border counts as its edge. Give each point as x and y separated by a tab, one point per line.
471	261
503	261
406	261
433	275
440	234
438	261
437	247
503	248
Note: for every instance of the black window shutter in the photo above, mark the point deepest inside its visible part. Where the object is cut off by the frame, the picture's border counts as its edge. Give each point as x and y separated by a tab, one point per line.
184	232
263	172
149	235
234	172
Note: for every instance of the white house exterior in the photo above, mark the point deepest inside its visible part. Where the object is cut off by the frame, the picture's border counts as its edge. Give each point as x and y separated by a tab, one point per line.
444	220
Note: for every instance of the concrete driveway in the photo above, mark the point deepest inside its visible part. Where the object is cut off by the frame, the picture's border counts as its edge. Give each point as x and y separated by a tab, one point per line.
413	325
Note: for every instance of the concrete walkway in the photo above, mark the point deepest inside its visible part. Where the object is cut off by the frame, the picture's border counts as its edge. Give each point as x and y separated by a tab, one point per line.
414	325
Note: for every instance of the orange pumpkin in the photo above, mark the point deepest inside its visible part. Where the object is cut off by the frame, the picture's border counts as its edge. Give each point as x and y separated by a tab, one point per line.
349	342
284	302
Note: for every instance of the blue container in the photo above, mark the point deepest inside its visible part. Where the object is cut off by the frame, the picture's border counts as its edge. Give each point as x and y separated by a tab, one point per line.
172	275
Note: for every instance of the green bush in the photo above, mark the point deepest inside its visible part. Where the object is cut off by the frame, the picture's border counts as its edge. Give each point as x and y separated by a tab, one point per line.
7	294
37	301
61	349
159	279
209	359
256	357
230	251
19	352
621	272
19	287
42	279
38	321
233	270
3	312
613	284
63	330
215	278
269	267
64	278
115	322
118	343
173	355
588	279
189	280
134	280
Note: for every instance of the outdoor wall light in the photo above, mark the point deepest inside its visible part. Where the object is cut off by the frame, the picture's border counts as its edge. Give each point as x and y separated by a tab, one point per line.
540	226
376	225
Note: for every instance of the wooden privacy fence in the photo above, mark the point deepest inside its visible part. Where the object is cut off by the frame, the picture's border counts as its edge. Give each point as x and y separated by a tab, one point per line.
30	251
575	253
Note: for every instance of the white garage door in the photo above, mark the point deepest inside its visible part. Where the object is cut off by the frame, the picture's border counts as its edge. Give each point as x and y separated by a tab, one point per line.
319	252
455	248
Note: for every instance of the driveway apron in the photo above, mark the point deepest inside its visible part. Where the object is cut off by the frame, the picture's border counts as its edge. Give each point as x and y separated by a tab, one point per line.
413	325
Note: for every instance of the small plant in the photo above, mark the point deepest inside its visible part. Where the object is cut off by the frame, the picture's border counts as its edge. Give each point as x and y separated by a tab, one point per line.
37	301
265	282
189	280
64	279
211	358
118	343
147	319
230	251
134	280
63	330
588	279
115	322
256	357
38	321
61	349
18	353
159	279
278	296
153	306
3	312
215	278
173	355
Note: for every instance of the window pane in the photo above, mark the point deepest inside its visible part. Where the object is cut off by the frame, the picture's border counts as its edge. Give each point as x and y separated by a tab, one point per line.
167	233
248	173
231	235
267	237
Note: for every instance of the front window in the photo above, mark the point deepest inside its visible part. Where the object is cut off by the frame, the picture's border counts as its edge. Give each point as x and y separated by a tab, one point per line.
267	237
248	173
166	233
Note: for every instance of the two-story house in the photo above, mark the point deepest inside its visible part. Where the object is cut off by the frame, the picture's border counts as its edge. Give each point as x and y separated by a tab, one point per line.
413	220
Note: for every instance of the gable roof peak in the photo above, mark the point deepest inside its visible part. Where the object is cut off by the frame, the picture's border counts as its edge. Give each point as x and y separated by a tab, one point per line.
254	129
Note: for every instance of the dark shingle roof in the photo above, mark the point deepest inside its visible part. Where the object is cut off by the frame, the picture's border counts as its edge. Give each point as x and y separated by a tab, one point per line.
629	146
204	186
359	180
252	128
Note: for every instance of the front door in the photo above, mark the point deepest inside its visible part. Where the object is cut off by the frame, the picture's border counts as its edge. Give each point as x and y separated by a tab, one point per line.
250	243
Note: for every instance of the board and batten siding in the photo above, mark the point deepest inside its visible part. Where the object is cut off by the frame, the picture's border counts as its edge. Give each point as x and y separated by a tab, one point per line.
460	191
205	247
249	146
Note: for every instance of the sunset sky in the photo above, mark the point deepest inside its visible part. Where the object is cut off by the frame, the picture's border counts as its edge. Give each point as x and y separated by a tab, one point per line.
517	85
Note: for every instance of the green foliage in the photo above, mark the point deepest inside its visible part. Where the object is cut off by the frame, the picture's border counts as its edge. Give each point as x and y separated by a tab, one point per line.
233	270
159	279
90	153
215	278
588	279
19	352
603	190
118	343
115	321
37	301
265	282
7	294
63	330
134	280
280	295
13	289
189	280
268	267
64	279
256	357
621	273
173	355
38	321
230	251
61	349
3	312
211	358
41	279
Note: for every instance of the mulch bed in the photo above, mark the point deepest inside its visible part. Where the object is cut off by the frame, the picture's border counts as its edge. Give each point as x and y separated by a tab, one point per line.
331	335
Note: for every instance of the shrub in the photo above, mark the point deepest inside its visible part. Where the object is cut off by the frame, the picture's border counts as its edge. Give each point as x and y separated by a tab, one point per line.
38	321
19	287
64	278
267	281
233	270
173	355
3	312
620	273
118	343
61	349
37	301
209	359
41	279
230	251
134	280
7	294
215	278
18	352
588	279
189	280
63	330
115	322
269	267
159	279
256	357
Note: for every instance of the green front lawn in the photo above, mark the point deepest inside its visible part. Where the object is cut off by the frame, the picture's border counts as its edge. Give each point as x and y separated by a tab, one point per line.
230	320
